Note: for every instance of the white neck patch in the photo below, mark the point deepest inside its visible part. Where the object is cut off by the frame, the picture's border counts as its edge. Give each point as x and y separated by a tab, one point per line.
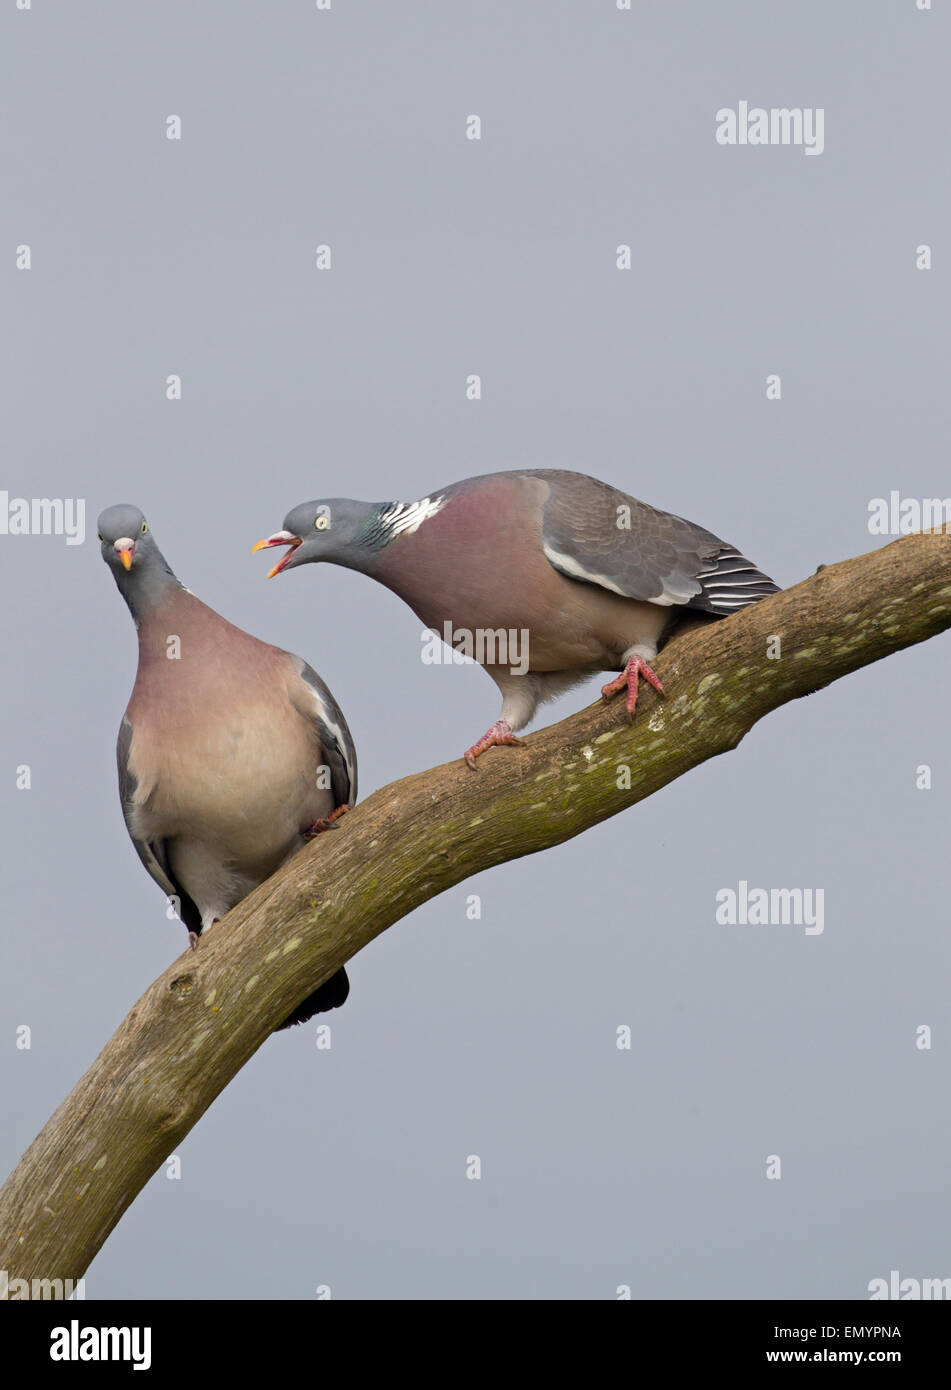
407	517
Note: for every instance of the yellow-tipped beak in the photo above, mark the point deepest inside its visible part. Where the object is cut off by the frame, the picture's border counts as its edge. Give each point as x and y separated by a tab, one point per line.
125	549
279	538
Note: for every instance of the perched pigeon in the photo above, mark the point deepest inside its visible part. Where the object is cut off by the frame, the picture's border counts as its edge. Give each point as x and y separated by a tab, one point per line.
585	576
232	753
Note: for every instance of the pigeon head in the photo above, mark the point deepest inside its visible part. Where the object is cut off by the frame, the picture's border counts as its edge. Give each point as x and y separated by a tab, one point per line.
126	538
339	531
138	566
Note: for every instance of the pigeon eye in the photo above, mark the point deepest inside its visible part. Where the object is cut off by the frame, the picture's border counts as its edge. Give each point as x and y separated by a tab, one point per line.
145	527
322	523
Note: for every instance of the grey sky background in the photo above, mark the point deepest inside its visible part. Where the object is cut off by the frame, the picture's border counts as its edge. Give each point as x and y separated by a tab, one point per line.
497	1037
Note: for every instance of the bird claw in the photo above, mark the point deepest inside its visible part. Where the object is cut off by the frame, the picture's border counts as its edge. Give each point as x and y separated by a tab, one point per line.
499	735
636	667
193	940
326	822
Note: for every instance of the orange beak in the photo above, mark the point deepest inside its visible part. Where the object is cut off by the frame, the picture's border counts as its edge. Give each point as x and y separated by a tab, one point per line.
279	538
125	549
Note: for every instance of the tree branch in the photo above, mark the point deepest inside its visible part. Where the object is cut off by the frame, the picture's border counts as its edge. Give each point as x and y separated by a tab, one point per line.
197	1025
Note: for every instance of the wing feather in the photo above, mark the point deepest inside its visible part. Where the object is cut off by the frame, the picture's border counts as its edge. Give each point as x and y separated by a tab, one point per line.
595	533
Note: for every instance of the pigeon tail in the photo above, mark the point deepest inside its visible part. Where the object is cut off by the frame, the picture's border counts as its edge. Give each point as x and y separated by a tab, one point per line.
330	995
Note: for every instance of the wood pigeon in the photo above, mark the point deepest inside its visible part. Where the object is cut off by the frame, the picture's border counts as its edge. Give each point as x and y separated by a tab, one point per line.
542	575
232	753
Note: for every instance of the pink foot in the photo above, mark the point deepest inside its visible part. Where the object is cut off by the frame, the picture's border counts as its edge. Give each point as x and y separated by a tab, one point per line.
637	666
326	822
499	734
194	935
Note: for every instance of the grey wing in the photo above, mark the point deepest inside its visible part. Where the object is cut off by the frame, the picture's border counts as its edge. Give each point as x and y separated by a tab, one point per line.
595	533
335	737
152	852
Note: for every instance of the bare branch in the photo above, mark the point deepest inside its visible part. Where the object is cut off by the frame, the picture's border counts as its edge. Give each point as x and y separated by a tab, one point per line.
197	1025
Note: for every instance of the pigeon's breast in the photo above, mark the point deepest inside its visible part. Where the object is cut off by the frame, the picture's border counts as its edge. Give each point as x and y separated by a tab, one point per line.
238	775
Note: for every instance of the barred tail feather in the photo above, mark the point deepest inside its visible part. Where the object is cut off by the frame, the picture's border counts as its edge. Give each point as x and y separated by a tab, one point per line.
731	582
